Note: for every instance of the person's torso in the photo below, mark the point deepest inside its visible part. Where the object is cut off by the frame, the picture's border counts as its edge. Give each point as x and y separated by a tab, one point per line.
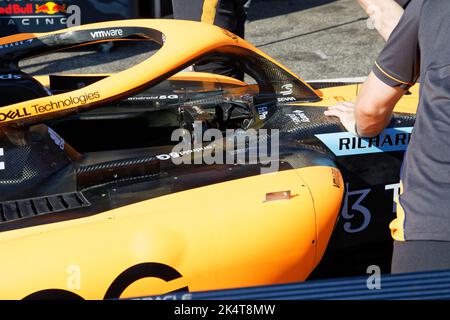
426	172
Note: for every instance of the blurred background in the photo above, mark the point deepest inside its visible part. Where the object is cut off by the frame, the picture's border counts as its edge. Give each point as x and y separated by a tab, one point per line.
317	39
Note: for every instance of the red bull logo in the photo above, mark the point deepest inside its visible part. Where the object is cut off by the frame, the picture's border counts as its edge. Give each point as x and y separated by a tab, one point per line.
16	9
50	8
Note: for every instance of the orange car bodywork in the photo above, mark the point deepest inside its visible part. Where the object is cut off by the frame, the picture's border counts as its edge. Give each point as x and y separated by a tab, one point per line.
202	241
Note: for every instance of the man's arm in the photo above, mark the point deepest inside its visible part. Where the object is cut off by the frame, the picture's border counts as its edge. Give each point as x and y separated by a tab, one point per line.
373	109
396	70
385	14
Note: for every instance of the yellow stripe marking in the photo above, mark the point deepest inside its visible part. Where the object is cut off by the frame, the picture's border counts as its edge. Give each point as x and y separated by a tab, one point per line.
397	225
209	11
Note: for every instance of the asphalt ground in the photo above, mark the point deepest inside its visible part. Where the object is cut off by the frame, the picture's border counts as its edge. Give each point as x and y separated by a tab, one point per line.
317	39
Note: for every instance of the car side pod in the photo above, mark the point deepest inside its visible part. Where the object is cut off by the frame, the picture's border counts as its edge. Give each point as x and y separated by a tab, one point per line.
327	190
261	230
247	229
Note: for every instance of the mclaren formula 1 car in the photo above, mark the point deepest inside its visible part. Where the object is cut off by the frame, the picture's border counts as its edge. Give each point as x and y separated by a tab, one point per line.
98	200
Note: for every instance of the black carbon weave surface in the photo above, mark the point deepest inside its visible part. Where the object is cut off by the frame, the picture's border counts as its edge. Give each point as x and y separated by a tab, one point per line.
318	122
325	85
116	171
30	157
48	43
26	208
269	76
116	164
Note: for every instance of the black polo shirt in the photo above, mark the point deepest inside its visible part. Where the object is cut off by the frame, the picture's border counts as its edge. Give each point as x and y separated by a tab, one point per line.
403	3
420	46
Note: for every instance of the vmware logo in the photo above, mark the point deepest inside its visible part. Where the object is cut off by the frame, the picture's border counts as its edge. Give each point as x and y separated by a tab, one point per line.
107	33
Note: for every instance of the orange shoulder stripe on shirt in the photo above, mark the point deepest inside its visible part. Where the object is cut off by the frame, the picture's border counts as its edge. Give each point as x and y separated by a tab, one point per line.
391	77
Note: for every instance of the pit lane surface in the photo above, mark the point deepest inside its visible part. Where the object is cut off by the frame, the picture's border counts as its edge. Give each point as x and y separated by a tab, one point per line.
317	39
433	285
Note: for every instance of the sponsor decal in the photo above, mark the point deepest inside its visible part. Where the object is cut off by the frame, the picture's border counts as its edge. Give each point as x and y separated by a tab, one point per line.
56	139
299	117
141	271
359	205
356	205
35	21
263	112
14	114
231	35
10	76
50	8
16	9
16	44
287	99
67	103
287	89
39	13
2	164
346	143
236	147
186	296
174	155
51	106
150	98
111	33
395	187
164	273
335	173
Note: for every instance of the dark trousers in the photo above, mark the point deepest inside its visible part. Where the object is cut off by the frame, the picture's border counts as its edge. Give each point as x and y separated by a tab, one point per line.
418	256
227	14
